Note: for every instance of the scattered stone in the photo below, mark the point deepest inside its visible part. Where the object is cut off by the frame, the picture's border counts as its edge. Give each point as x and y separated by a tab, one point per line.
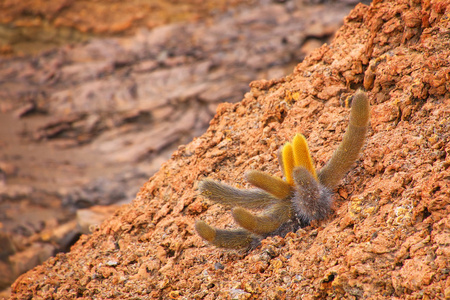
7	168
15	191
89	218
63	236
24	110
111	263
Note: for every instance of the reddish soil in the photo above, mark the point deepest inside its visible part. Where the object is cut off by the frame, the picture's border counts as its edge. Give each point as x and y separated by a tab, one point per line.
389	234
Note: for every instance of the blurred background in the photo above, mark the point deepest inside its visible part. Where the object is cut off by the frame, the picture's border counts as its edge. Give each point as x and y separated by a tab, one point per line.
96	94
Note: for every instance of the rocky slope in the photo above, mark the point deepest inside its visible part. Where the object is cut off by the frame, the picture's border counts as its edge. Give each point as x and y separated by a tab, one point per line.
86	125
389	234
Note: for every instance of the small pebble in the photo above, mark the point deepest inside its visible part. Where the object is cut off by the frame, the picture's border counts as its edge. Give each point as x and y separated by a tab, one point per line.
219	266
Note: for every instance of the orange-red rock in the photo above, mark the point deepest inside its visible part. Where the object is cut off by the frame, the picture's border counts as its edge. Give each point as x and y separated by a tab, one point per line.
379	255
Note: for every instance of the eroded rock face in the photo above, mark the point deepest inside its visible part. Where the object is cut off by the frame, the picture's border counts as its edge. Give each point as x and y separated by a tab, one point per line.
389	234
31	26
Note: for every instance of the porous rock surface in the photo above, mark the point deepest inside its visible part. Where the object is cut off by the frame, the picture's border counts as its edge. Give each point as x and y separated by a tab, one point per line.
389	234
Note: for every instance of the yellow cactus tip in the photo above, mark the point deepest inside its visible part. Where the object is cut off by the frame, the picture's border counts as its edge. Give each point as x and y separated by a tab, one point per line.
205	231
